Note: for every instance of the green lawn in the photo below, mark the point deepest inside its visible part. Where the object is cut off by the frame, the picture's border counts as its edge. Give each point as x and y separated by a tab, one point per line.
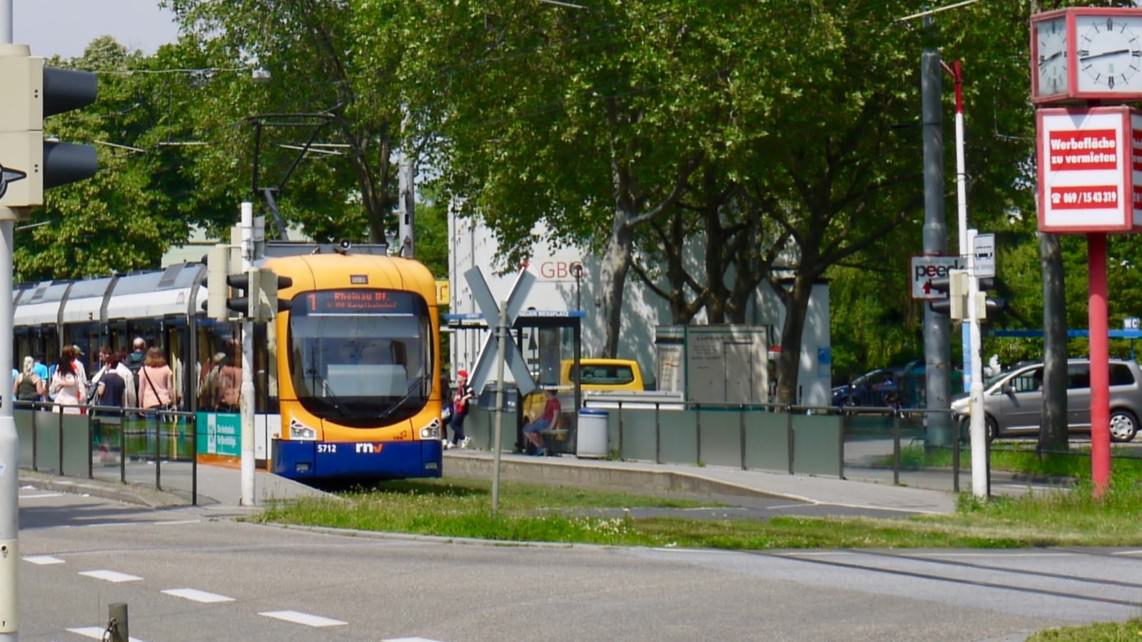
1023	459
461	508
1108	632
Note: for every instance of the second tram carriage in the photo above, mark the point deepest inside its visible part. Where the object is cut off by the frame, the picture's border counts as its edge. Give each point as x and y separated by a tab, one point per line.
347	378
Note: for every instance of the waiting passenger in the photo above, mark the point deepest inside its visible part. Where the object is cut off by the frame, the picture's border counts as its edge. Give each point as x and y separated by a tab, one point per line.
155	387
29	386
110	387
131	389
137	357
65	387
552	413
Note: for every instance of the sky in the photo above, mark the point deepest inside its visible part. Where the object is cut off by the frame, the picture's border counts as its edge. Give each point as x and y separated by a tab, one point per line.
65	27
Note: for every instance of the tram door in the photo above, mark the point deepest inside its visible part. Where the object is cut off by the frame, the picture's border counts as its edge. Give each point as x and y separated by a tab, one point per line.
174	342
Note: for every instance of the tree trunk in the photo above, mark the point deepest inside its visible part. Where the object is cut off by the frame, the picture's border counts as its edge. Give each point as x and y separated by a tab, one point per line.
1053	423
613	276
789	360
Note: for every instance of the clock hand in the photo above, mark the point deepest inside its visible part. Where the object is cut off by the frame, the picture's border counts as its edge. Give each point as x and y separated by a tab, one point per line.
1049	58
1104	54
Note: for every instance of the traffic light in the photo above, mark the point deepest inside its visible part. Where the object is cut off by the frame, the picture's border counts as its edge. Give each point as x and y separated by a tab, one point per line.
257	294
267	288
217	261
31	92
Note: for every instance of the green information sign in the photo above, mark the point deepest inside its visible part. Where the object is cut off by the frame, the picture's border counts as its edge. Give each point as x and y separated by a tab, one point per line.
220	433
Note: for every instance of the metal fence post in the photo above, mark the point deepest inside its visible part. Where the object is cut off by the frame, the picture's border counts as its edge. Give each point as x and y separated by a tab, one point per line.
122	446
90	447
59	446
895	449
657	435
741	433
35	440
158	454
956	463
789	435
841	449
620	430
194	459
698	434
987	453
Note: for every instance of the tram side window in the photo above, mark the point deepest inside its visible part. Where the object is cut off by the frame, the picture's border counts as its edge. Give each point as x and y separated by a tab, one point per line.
220	372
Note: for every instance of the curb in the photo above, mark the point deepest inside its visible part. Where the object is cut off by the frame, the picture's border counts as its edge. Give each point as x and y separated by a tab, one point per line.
126	493
625	478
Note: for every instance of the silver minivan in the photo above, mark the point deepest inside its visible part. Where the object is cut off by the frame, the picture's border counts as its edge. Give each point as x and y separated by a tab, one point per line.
1013	400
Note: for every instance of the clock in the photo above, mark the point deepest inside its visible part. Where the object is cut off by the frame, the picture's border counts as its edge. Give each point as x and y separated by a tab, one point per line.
1108	53
1050	64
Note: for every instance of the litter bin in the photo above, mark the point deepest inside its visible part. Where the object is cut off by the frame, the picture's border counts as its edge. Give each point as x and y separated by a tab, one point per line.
592	439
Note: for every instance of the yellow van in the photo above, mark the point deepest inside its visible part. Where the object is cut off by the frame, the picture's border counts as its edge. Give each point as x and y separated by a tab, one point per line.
604	374
598	375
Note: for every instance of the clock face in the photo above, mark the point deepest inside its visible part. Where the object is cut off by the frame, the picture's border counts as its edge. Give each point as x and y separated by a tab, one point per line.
1108	51
1051	64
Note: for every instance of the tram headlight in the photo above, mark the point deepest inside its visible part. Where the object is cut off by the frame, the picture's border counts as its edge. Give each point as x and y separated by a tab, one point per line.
432	430
301	432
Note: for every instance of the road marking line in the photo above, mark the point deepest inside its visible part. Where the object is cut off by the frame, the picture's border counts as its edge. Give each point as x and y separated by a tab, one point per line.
780	506
409	640
297	617
41	496
42	560
996	554
1138	552
176	522
111	576
95	632
196	595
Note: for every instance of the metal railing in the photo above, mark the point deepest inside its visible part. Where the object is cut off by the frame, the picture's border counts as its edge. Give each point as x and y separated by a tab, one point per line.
104	442
901	447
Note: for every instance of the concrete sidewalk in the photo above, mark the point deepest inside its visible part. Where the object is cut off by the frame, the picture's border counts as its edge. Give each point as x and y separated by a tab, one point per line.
664	478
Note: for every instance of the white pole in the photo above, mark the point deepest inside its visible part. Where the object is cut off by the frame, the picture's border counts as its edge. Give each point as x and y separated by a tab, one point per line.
502	339
973	366
979	461
247	403
9	438
970	372
9	446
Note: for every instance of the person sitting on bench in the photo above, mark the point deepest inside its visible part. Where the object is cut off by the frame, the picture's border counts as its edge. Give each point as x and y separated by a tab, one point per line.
548	422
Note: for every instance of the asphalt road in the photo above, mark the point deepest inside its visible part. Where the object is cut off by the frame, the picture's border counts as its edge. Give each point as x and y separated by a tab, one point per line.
197	574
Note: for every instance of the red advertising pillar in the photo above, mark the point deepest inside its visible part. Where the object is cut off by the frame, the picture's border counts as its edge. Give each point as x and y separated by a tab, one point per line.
1099	365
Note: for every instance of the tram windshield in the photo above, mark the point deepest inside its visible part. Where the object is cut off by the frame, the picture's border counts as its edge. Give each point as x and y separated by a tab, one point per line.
361	357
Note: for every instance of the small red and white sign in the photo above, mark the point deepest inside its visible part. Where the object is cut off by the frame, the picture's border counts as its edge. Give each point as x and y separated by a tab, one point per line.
1089	162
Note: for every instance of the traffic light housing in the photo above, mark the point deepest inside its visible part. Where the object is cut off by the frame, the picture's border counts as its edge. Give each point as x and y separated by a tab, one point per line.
256	295
28	165
956	286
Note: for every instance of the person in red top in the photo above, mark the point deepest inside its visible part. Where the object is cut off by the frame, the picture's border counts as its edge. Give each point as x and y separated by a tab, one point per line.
460	400
552	412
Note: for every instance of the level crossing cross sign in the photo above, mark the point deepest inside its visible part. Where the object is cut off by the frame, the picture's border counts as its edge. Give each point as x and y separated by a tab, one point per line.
491	313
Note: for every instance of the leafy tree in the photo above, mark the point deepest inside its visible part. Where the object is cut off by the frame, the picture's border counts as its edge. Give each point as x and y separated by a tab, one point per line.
84	230
319	62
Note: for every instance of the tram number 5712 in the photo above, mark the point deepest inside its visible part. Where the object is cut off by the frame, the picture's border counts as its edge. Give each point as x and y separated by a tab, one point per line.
326	449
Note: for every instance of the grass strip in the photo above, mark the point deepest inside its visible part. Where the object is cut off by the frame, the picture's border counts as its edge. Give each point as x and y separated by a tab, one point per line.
1130	631
1027	461
461	508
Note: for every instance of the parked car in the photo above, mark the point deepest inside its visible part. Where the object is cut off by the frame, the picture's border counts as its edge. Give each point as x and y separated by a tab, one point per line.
598	375
1013	400
880	387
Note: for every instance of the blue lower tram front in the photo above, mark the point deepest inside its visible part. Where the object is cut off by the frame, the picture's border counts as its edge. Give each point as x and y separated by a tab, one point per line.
304	460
